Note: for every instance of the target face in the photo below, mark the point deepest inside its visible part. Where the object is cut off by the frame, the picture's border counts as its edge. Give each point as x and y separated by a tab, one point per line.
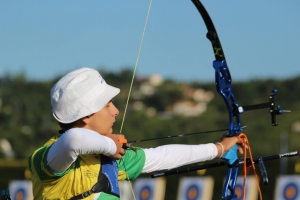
290	191
193	192
146	193
239	191
20	194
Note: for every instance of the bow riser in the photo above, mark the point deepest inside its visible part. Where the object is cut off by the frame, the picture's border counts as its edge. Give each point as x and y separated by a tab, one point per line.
223	86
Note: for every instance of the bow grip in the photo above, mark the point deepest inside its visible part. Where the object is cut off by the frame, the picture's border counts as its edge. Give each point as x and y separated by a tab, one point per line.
231	155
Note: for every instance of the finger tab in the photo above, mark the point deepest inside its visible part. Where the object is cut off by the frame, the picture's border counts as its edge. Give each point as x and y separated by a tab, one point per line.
123	140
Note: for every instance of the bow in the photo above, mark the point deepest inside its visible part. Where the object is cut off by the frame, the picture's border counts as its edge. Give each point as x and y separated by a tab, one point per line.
223	83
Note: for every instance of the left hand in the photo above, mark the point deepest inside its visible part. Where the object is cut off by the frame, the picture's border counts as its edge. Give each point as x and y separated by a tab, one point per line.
229	142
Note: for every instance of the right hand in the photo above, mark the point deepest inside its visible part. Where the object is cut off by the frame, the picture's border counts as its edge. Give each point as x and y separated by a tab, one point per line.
120	150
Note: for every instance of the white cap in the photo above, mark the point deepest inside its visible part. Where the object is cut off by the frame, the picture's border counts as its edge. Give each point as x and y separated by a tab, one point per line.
80	93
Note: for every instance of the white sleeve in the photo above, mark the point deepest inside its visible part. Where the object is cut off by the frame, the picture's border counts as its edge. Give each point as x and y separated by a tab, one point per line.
171	156
74	142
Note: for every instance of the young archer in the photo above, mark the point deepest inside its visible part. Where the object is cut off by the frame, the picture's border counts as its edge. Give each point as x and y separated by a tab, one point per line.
85	151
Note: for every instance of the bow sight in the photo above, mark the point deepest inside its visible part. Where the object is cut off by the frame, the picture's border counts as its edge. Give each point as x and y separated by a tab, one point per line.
274	110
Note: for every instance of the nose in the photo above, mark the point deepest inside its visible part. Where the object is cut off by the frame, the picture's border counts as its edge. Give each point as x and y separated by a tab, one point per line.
115	111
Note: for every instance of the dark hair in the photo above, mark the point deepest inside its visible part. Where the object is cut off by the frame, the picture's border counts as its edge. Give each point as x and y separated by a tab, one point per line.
66	127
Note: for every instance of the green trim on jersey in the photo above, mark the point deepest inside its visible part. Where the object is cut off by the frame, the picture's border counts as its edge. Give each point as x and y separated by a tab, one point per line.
134	163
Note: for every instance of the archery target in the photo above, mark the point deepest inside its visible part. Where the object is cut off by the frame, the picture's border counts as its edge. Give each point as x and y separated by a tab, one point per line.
193	188
146	192
20	194
149	189
287	188
251	188
21	190
290	192
239	191
193	192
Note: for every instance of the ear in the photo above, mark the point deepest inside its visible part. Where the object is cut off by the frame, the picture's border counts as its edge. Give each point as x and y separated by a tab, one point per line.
86	119
80	123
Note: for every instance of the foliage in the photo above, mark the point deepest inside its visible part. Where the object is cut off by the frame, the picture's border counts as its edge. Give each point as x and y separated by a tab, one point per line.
26	120
26	111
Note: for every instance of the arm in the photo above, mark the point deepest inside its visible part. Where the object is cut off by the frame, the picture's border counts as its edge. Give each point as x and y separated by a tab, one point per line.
171	156
75	142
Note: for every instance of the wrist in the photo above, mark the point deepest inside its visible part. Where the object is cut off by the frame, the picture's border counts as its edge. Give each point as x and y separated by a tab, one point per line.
220	148
111	146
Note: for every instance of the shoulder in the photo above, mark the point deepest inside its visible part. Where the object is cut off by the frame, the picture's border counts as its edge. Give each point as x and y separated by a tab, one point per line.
37	158
78	132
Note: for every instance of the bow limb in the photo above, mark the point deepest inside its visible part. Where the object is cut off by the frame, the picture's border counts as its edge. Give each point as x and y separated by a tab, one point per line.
223	85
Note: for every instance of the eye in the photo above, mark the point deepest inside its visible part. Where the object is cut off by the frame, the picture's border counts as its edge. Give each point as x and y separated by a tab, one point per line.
108	104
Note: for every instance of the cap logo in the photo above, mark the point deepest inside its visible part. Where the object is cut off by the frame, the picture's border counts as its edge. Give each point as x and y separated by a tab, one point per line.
101	80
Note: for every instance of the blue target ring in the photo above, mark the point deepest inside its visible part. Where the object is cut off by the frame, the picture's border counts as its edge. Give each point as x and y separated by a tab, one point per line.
290	191
20	194
193	192
146	193
239	191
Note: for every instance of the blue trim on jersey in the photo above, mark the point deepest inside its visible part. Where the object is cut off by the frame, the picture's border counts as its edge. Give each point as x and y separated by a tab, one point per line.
109	168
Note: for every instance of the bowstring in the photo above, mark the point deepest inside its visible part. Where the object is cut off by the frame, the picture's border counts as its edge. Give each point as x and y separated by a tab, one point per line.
130	88
136	64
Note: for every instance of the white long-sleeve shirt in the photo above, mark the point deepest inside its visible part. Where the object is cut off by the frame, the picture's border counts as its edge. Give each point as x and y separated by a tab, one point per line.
77	141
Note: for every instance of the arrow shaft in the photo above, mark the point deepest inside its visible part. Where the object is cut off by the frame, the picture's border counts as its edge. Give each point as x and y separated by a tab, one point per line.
175	136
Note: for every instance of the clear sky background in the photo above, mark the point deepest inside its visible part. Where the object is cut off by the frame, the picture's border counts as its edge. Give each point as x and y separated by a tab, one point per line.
45	39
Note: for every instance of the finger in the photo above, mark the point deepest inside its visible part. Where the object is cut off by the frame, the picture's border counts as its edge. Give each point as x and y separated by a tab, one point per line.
240	149
240	140
122	140
120	136
247	147
122	152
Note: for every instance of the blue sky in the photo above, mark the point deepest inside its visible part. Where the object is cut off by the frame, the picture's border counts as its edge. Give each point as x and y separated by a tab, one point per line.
44	39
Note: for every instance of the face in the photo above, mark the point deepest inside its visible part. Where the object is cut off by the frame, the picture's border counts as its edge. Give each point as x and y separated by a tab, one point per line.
103	120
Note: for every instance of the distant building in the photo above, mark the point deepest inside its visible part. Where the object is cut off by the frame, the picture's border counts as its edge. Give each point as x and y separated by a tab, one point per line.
189	108
196	107
194	103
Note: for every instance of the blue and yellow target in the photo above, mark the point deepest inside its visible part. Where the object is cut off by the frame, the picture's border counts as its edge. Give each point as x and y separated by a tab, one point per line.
193	192
239	191
146	193
291	191
20	194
